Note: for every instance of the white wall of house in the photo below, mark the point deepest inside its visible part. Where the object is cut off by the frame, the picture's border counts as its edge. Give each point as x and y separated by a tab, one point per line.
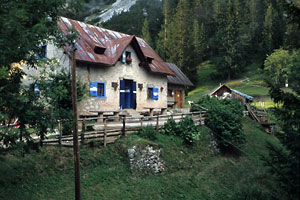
116	73
95	73
108	74
52	53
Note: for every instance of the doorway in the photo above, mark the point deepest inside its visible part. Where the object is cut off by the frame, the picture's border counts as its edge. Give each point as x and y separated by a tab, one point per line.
179	98
127	94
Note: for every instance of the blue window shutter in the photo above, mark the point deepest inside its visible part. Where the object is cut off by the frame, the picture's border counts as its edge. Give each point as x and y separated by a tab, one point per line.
124	58
93	89
122	94
36	89
155	94
134	95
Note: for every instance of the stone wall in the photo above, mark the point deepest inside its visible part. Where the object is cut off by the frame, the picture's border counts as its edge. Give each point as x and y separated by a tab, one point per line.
145	158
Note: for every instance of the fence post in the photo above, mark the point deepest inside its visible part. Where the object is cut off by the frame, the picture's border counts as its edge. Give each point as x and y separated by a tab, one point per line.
142	118
200	118
123	129
105	131
82	131
60	132
157	123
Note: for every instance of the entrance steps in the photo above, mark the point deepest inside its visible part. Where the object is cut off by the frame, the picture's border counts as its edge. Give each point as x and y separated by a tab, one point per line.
131	113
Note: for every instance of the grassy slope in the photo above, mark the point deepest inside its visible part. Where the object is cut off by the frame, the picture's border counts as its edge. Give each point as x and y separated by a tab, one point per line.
193	172
250	82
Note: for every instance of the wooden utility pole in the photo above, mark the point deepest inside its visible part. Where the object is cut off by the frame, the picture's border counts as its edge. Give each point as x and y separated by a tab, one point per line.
75	128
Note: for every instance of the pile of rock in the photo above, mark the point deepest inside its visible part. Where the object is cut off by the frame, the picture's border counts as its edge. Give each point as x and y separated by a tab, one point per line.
145	158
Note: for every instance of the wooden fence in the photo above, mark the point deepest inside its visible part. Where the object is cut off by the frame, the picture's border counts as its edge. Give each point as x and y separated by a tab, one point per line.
109	130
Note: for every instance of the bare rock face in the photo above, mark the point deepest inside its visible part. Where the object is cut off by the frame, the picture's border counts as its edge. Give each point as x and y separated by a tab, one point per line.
116	8
145	158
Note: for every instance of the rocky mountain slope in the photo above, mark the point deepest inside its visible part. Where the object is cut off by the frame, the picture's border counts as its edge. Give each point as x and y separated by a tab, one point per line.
103	15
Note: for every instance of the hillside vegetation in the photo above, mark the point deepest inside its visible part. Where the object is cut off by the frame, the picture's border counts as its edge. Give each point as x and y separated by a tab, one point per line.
193	172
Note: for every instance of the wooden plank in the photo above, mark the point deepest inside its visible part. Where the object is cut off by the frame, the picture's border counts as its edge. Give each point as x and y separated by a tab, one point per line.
124	123
105	131
82	131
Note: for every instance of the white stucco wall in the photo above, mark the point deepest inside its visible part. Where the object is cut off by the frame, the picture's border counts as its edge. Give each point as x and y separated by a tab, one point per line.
52	53
108	74
120	71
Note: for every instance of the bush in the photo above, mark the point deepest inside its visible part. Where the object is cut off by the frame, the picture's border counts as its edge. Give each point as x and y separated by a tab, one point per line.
185	129
188	131
9	136
148	132
224	119
170	128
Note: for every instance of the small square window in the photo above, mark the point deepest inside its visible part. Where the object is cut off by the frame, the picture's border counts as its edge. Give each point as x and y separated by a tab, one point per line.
100	90
152	93
170	93
149	93
127	57
97	89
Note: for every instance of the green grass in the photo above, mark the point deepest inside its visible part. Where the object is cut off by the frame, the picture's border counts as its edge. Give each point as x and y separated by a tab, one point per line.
193	172
250	83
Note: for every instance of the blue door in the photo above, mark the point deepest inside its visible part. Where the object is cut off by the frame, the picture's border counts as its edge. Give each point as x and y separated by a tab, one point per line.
127	94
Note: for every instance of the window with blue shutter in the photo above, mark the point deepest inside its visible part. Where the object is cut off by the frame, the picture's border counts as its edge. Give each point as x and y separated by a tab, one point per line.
155	94
97	89
35	88
126	57
152	93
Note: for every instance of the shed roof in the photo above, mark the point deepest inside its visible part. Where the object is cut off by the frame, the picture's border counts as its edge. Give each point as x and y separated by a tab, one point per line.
179	77
213	91
92	39
242	94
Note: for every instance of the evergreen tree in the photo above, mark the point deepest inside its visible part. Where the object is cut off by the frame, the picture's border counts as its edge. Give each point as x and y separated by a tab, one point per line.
273	28
163	35
268	30
231	62
199	43
146	33
285	162
179	44
24	25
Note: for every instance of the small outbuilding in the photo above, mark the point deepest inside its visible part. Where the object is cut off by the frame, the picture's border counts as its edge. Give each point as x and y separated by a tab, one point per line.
176	87
225	92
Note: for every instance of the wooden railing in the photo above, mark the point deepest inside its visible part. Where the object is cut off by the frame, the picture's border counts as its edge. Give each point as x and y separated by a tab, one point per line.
109	130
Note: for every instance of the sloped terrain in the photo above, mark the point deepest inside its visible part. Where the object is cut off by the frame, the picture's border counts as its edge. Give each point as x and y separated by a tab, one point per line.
192	172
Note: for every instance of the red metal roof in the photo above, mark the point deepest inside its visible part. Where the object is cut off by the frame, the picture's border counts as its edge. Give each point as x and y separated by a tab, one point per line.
93	38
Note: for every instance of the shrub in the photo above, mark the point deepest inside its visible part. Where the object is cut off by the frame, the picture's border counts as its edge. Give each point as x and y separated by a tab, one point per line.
9	136
188	130
170	128
224	119
185	129
148	132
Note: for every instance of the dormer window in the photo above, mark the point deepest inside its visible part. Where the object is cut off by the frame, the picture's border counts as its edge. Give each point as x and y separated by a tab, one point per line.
99	50
149	60
126	57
